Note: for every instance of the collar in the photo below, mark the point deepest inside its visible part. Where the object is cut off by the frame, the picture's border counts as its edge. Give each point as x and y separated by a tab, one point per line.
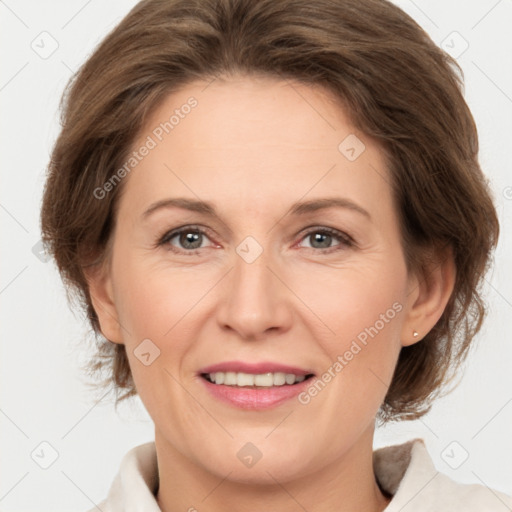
405	471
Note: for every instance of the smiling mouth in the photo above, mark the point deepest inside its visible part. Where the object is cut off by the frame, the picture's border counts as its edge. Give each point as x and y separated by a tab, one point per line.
255	381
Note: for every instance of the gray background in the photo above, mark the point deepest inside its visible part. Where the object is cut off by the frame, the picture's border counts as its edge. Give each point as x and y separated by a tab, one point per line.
43	395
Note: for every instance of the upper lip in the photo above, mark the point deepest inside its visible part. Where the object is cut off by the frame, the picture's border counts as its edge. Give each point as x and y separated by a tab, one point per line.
254	368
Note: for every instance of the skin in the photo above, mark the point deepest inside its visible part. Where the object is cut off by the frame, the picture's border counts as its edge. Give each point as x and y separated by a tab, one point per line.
253	147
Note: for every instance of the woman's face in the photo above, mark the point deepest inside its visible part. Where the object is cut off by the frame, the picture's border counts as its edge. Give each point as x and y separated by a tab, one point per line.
263	281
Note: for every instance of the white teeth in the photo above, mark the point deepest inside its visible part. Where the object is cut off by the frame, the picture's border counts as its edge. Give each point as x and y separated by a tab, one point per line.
230	378
290	378
279	379
245	379
265	380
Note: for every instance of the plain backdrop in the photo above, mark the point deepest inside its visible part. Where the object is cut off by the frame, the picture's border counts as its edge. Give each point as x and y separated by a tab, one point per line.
44	398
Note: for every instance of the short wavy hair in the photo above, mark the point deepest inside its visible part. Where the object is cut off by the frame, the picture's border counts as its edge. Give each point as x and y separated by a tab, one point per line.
394	82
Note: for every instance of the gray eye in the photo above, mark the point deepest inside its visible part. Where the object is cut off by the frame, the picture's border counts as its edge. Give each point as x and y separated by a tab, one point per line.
320	240
190	239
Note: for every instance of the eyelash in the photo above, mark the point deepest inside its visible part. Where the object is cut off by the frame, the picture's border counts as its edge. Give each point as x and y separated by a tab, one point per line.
344	239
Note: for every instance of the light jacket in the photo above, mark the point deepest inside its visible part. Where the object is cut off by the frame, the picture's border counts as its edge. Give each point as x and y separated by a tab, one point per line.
406	471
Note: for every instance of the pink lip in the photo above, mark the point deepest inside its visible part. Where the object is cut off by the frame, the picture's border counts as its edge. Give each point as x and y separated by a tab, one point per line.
253	368
255	398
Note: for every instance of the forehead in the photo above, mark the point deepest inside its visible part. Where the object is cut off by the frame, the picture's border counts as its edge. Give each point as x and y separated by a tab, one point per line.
245	112
256	143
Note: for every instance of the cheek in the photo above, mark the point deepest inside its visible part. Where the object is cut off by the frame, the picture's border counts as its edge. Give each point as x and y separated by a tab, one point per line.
362	301
153	301
337	305
361	316
362	356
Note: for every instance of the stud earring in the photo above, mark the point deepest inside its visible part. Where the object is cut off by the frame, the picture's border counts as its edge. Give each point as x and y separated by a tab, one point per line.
415	334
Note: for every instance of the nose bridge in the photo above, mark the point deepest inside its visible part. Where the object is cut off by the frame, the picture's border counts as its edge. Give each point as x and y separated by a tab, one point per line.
256	300
251	265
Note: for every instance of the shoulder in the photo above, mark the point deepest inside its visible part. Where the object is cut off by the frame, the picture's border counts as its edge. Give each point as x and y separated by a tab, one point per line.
407	472
135	484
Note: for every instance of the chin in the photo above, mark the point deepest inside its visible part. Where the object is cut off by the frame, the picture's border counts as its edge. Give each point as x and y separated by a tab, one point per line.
261	463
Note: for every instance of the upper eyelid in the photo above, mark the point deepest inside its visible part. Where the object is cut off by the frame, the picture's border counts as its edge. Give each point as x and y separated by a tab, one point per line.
172	233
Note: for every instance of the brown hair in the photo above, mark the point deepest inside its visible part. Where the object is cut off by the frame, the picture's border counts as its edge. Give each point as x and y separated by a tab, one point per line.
396	84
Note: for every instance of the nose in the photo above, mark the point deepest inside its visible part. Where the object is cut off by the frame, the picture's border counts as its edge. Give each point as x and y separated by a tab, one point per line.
256	302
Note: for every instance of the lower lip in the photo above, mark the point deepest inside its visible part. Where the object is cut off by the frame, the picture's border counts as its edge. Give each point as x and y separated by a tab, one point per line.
255	398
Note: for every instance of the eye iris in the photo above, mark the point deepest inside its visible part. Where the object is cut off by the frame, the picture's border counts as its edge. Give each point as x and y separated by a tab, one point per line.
190	238
324	239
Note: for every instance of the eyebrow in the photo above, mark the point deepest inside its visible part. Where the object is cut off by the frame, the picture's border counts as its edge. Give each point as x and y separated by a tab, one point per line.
298	208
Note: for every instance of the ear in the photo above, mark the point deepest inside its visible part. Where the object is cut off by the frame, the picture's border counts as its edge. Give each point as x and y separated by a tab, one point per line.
430	289
102	297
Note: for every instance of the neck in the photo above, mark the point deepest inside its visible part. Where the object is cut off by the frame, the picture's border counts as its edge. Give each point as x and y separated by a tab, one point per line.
347	484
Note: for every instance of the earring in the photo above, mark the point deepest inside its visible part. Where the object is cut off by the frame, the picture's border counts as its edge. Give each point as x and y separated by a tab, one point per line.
415	334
